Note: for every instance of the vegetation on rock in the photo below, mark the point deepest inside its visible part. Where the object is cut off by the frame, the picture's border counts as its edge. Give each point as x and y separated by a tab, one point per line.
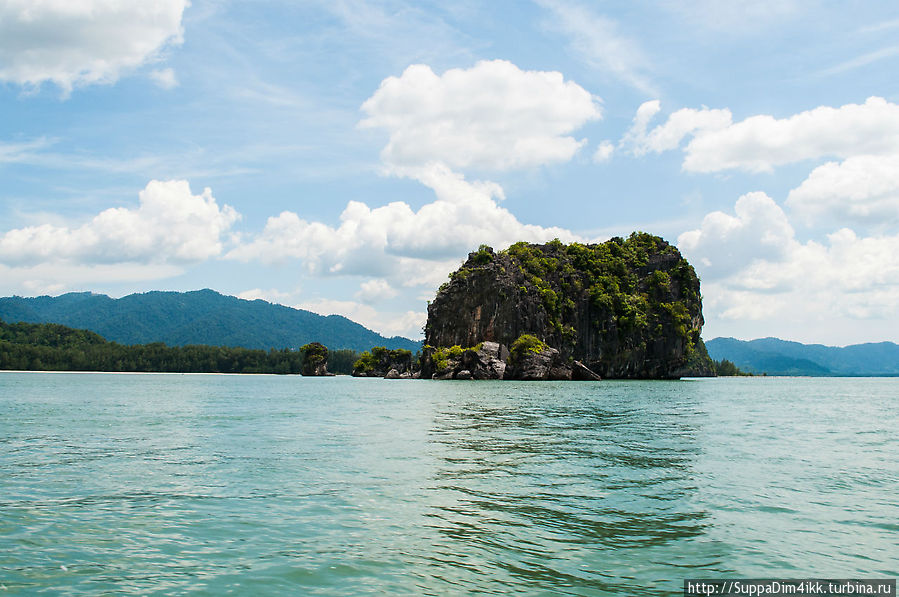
524	344
380	360
625	308
315	359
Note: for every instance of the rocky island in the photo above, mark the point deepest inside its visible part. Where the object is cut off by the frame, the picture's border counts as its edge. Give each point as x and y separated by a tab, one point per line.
626	308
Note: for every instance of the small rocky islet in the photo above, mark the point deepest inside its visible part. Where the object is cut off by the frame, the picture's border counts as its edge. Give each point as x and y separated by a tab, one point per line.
623	309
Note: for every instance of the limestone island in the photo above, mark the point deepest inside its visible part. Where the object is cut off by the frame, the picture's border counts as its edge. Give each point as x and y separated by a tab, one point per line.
626	309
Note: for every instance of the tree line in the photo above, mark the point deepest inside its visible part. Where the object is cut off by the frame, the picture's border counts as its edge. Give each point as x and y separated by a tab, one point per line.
53	347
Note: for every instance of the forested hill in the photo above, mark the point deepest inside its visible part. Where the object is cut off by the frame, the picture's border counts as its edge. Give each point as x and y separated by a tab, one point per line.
780	357
198	317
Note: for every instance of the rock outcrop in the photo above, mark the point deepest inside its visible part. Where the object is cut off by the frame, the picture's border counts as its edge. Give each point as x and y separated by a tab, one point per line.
315	360
622	309
382	362
487	360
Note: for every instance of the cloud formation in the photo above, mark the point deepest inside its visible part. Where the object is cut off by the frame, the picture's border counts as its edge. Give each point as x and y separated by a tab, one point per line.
863	189
376	290
407	324
759	230
384	240
756	272
170	225
760	143
492	116
85	41
639	140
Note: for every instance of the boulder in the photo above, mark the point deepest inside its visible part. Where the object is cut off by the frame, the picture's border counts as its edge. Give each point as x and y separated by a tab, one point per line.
545	364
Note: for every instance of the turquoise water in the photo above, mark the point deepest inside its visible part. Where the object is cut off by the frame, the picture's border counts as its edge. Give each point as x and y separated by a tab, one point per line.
205	484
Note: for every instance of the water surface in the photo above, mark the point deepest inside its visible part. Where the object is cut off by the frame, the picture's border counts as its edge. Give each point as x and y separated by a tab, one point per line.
211	484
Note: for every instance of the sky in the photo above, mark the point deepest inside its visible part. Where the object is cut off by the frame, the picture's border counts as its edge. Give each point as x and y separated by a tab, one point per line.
345	156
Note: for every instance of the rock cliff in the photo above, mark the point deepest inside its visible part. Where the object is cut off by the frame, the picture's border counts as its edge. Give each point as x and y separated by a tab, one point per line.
626	308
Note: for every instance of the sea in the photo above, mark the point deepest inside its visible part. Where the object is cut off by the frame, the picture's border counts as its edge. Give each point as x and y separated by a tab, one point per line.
167	484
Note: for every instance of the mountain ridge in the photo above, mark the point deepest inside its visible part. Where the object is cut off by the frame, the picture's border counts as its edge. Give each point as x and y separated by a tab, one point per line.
196	317
775	356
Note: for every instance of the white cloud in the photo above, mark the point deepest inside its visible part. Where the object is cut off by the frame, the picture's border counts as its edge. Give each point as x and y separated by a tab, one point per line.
82	42
56	277
164	78
272	295
393	241
598	42
170	225
665	137
374	291
758	277
407	324
759	143
491	116
863	189
725	243
604	152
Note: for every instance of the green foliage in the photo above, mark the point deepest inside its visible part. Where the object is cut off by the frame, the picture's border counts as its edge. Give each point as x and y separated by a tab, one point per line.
51	347
524	344
381	358
341	361
460	274
483	256
725	368
366	362
658	302
442	356
315	355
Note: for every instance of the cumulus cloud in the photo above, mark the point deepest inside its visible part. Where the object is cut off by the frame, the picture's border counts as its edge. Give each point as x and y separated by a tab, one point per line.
170	225
725	243
665	137
493	116
376	290
407	324
760	143
85	41
862	189
755	271
383	240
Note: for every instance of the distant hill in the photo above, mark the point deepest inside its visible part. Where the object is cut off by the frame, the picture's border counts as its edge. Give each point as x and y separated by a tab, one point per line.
780	357
198	317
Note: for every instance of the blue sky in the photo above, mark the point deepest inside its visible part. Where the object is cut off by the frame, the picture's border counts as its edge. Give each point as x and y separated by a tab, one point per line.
344	157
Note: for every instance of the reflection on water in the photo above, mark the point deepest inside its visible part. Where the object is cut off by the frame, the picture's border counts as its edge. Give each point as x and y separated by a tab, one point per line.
281	485
556	493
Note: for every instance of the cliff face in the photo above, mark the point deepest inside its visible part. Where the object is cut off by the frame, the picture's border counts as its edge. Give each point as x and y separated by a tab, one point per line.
625	308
